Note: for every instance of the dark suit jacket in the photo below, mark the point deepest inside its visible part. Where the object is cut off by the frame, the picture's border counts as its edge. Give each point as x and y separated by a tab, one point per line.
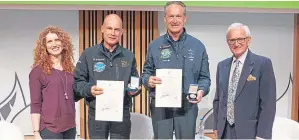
255	100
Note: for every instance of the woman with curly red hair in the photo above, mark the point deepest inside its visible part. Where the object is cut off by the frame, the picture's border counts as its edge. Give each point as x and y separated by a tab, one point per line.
51	91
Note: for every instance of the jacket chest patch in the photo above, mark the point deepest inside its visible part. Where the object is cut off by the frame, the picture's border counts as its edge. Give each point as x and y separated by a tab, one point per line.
124	63
99	67
165	53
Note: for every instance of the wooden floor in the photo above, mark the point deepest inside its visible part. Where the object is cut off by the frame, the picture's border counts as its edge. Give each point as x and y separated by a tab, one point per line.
210	135
28	137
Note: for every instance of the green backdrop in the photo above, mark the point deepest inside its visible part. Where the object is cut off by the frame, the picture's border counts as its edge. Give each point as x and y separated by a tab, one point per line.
239	4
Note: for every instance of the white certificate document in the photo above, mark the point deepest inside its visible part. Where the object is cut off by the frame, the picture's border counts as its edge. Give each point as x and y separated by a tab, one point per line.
109	105
169	93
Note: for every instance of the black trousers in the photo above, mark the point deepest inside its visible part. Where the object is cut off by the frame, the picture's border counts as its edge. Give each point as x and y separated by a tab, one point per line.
167	120
102	129
229	131
68	134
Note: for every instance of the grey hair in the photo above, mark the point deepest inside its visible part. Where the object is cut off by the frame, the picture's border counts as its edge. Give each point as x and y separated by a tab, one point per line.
177	3
238	25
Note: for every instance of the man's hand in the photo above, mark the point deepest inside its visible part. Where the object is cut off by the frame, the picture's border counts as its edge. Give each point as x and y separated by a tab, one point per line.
153	80
258	138
216	134
133	93
96	91
198	98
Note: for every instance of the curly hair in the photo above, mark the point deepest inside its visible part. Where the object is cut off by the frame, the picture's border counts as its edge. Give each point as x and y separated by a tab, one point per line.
42	57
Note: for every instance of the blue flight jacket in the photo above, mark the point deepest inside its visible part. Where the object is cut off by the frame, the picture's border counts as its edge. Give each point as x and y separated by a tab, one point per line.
188	54
95	64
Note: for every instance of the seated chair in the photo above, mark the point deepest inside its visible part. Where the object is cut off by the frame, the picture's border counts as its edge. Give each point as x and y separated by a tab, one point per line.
9	131
285	129
141	126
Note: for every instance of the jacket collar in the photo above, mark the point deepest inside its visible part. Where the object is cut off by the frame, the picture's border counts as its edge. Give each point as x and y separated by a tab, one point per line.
105	51
181	38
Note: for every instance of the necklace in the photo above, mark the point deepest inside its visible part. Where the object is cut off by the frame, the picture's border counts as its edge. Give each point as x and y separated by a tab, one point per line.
64	87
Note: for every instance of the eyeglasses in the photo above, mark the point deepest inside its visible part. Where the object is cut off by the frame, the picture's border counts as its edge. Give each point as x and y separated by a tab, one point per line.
172	17
239	40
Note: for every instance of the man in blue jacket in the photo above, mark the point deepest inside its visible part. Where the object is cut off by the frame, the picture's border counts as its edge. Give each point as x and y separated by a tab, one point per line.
176	50
106	61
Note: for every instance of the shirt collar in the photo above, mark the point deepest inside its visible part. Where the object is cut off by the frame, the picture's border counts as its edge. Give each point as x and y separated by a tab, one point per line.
181	38
242	57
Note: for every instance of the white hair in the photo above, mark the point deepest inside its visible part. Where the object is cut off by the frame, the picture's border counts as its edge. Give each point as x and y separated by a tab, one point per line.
238	25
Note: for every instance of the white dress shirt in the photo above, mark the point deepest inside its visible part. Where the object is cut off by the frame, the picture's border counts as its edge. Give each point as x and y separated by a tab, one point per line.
233	66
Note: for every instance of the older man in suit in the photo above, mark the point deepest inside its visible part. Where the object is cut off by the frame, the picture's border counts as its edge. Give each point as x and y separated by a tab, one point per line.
244	103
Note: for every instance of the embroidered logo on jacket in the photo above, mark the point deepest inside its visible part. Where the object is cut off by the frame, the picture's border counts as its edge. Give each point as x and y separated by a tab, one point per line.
191	54
165	53
124	63
99	67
